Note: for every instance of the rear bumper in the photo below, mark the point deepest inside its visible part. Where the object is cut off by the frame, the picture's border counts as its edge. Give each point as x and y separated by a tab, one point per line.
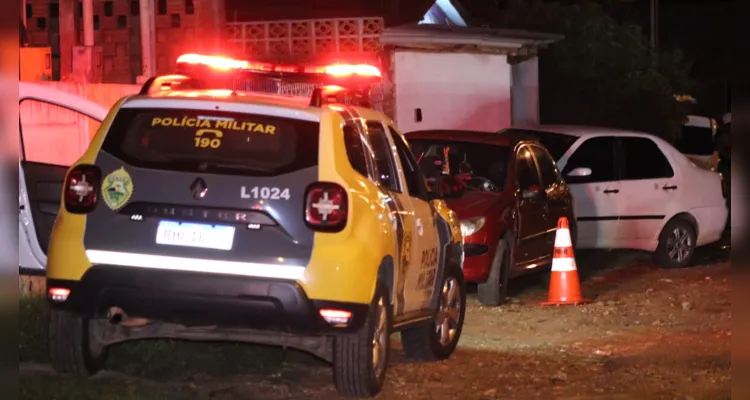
711	223
200	299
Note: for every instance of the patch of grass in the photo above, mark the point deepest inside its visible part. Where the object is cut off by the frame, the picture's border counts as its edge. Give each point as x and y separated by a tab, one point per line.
32	329
69	388
161	359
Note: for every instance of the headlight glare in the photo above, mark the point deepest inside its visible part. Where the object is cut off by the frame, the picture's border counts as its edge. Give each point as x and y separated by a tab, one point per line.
471	226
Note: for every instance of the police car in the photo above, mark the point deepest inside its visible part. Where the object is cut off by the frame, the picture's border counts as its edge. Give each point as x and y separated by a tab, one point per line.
257	203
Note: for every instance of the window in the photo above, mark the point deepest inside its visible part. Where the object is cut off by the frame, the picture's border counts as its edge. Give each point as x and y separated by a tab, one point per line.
189	7
96	22
414	179
54	10
41	23
598	154
546	166
644	160
135	8
205	141
29	11
122	22
485	161
526	170
162	7
108	9
381	149
355	149
556	143
52	134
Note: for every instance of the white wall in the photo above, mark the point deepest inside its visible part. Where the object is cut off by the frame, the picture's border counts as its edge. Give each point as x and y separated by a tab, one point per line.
453	90
525	92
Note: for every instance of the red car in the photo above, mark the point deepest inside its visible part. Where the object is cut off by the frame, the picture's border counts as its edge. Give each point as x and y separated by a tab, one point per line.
507	193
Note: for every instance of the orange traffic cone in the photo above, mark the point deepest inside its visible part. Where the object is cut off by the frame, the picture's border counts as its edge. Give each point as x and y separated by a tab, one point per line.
564	287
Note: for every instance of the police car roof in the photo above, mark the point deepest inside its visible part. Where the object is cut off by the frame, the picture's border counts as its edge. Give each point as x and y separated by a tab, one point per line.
250	102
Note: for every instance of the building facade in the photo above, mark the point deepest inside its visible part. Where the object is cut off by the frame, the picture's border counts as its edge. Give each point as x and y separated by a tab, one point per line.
269	31
117	32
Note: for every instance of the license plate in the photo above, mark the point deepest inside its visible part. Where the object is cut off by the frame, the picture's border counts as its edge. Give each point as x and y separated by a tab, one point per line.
195	235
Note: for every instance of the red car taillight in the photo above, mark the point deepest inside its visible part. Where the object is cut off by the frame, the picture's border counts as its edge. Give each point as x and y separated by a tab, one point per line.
82	189
326	207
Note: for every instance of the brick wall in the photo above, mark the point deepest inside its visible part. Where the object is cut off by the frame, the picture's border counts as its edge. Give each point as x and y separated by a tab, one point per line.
117	30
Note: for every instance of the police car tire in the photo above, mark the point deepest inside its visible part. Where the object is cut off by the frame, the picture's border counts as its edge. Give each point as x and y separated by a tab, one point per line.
422	342
70	345
353	371
494	291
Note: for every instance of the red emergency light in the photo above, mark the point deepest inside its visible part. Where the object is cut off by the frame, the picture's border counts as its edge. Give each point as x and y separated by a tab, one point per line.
346	70
220	63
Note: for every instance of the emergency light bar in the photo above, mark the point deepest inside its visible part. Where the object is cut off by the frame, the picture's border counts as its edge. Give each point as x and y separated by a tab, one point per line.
226	64
335	83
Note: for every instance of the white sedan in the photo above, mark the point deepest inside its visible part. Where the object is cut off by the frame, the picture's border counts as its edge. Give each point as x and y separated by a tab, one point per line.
635	191
56	128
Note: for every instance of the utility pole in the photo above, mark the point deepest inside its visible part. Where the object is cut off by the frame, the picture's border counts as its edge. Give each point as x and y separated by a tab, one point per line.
88	23
148	40
68	36
655	24
23	13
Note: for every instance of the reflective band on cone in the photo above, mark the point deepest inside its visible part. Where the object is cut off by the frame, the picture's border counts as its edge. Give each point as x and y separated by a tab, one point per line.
564	287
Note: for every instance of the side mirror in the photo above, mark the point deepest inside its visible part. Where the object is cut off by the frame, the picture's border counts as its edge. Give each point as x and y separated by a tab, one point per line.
531	193
579	172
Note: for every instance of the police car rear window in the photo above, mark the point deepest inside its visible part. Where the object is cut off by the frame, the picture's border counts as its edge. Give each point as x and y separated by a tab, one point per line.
212	141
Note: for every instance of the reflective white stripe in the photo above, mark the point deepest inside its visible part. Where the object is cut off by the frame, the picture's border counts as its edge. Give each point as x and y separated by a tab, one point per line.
562	238
195	265
563	265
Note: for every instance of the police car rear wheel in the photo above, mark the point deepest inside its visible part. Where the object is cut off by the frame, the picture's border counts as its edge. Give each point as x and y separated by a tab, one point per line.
360	360
72	348
437	340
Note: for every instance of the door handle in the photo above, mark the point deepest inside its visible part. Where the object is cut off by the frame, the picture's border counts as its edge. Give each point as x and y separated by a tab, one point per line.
608	191
673	187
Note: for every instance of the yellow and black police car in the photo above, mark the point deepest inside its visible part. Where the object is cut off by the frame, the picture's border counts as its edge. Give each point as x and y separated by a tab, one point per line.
256	203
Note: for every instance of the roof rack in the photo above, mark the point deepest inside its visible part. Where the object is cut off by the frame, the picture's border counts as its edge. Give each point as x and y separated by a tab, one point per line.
325	84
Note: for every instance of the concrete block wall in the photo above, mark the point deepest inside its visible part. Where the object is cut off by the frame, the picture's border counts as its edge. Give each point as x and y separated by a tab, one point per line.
37	22
118	32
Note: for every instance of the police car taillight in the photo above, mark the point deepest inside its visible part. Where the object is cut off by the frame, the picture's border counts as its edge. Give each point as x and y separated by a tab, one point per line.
58	295
81	190
326	207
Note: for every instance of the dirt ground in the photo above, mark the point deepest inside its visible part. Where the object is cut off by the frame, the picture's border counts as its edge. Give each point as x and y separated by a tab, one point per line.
647	334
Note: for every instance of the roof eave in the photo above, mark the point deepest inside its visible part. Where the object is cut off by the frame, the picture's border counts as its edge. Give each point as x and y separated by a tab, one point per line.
411	37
